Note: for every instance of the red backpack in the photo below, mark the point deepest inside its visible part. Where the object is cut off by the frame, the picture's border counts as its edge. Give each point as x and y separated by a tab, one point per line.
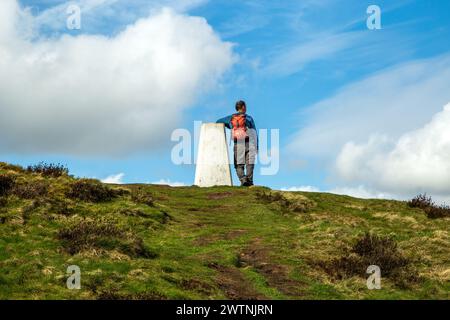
238	123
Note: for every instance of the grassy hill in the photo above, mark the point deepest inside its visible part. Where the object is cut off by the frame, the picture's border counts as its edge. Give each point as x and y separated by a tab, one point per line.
158	242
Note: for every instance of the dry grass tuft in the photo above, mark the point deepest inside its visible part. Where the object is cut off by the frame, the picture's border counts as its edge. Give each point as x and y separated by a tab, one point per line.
3	202
91	234
287	201
62	206
11	167
141	196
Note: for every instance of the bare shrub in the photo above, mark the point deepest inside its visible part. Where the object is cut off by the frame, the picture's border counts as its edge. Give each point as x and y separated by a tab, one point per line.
49	169
432	210
421	201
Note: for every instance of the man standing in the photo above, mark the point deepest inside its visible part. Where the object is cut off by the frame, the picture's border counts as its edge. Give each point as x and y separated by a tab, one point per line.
244	135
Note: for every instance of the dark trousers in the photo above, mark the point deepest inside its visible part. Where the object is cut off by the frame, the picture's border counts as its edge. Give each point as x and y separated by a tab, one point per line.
244	160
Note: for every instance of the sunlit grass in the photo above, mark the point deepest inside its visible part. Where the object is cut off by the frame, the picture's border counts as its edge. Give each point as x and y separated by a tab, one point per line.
197	235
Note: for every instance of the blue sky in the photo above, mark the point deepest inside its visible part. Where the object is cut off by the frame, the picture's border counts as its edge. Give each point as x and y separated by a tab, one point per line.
311	69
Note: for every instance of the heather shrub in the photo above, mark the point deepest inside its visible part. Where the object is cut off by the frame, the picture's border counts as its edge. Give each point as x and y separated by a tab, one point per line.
90	190
435	212
30	189
371	249
7	182
431	209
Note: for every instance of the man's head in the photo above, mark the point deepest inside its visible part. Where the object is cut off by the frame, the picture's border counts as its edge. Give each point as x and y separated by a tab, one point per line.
240	106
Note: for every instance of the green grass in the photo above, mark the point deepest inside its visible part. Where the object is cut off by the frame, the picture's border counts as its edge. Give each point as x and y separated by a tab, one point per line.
211	243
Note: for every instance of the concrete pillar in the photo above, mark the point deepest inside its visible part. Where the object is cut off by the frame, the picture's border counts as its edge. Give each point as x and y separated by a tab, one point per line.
213	166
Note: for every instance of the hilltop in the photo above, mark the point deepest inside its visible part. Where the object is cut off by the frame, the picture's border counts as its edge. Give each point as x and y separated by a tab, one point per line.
159	242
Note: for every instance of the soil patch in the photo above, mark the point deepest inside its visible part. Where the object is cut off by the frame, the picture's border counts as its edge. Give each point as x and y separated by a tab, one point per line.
257	256
233	283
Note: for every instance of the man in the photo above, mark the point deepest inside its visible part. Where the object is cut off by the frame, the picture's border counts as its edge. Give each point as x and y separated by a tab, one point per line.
243	132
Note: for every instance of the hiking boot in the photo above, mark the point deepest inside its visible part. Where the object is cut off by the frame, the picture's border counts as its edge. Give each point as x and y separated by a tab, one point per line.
244	182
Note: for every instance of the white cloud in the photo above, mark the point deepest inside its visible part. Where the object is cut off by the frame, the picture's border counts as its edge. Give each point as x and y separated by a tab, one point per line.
99	95
115	178
169	183
385	136
362	192
321	47
111	15
358	192
419	161
390	102
55	17
301	188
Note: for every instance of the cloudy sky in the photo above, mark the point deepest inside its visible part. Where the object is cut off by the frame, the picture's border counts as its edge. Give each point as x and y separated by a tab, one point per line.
361	112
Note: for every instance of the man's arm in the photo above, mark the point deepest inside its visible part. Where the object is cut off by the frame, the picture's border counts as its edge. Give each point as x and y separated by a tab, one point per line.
251	122
226	121
252	125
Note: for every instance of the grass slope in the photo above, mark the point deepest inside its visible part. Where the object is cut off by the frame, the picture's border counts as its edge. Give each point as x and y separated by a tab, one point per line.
158	242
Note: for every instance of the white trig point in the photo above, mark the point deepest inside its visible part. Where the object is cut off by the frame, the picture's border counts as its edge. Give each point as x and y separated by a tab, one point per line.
213	166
